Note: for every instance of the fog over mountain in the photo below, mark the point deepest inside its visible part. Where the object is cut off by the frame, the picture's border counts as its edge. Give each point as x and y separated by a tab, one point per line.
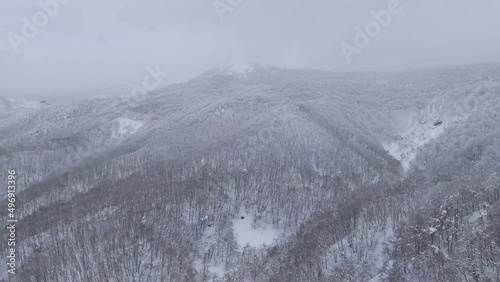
93	45
259	173
247	141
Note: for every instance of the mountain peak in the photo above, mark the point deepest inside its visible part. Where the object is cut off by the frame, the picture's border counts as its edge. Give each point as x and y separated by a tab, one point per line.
11	106
241	71
235	69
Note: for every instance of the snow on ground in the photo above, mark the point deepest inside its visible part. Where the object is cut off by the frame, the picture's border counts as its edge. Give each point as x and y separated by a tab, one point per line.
236	69
420	130
215	271
366	244
250	232
210	262
247	231
381	277
15	107
239	69
21	103
124	126
405	147
476	216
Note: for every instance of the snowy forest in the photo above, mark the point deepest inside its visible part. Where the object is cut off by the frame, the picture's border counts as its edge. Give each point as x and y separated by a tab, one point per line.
261	174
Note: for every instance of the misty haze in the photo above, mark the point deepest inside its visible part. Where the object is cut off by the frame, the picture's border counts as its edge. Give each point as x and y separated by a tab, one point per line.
250	141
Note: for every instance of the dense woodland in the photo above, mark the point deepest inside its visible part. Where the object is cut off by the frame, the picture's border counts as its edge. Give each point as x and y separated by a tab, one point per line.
146	188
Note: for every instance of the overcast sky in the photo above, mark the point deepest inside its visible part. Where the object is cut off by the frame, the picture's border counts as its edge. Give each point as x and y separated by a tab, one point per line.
94	44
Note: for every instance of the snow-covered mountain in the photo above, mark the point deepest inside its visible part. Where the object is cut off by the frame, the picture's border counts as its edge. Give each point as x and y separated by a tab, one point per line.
10	107
258	173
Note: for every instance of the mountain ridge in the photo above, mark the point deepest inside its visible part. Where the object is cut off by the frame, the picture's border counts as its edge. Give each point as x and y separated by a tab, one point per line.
300	151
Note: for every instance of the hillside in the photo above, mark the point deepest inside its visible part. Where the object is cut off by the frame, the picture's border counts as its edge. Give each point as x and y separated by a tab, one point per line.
258	173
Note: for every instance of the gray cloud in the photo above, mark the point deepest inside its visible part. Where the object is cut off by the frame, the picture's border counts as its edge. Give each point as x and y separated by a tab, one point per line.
96	44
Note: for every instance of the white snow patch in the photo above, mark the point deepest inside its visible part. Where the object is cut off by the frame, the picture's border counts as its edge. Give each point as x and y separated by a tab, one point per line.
405	147
15	107
475	216
234	69
429	126
381	277
240	69
215	271
250	232
211	262
125	126
23	104
369	239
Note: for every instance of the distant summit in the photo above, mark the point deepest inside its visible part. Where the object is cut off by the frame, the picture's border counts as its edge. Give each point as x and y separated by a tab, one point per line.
241	71
11	106
236	69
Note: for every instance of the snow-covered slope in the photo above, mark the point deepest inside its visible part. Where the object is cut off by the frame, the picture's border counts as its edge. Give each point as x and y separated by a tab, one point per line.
444	112
10	107
313	162
429	126
125	126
